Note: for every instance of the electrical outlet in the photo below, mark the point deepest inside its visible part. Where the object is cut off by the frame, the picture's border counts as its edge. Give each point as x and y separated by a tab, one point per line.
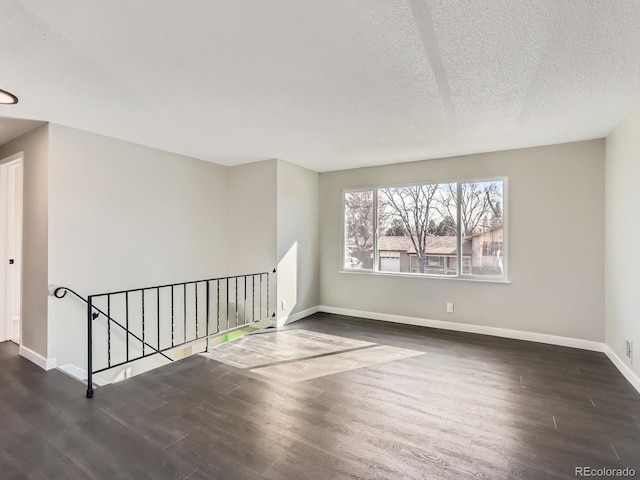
449	307
283	305
628	351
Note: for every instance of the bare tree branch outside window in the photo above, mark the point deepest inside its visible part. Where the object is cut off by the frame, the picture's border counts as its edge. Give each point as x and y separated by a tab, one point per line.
359	227
414	206
419	226
480	205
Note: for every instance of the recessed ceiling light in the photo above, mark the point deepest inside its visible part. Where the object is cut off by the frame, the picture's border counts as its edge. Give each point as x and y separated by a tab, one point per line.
7	98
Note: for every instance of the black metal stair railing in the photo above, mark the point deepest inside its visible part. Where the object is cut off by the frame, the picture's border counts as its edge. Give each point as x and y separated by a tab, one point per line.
156	319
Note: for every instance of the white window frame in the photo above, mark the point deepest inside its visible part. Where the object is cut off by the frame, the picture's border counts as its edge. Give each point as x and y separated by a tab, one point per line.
504	278
343	233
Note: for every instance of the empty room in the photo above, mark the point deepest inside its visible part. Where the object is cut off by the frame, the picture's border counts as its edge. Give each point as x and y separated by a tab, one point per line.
303	239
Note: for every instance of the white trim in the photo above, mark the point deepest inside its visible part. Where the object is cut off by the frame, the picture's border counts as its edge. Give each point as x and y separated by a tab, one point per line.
10	287
602	347
504	278
428	276
15	158
343	232
297	316
468	328
629	374
74	371
81	375
44	363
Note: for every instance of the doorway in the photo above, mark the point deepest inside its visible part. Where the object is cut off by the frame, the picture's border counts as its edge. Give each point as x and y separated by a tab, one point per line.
11	170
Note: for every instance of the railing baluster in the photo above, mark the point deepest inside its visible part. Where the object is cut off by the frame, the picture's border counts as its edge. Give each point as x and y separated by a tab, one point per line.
143	342
218	308
109	330
208	312
172	317
268	311
236	321
158	313
244	307
184	312
253	298
195	288
261	275
126	322
90	347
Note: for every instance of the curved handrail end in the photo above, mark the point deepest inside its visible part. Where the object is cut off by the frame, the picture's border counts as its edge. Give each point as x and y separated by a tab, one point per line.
60	292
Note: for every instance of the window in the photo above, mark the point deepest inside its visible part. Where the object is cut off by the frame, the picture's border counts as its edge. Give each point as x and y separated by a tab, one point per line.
482	227
439	229
359	230
418	222
466	265
435	261
490	249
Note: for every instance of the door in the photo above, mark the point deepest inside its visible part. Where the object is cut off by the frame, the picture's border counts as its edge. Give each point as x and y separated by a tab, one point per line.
390	264
11	248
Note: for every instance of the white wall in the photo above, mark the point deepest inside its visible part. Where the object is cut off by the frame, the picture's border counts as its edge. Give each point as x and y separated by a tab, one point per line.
556	244
251	225
273	223
34	253
297	238
103	215
622	230
123	216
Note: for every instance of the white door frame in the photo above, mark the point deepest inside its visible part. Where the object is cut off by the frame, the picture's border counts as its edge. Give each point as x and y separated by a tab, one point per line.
11	203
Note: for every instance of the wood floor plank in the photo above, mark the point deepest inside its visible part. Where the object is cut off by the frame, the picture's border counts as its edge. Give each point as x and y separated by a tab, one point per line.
463	406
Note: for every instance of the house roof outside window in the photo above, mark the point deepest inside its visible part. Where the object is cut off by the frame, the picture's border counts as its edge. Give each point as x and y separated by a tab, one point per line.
436	245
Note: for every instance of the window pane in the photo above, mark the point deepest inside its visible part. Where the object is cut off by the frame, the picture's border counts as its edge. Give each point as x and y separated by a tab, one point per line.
482	228
417	230
358	229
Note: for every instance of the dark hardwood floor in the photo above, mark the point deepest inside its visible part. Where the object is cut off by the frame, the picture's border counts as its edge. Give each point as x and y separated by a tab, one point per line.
461	406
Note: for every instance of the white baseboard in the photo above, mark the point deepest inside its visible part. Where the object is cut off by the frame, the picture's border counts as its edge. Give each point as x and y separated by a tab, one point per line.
80	374
629	374
468	328
624	368
297	316
74	371
44	363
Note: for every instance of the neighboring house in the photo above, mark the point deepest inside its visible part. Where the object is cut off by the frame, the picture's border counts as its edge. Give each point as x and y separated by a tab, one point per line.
481	254
398	254
487	252
394	253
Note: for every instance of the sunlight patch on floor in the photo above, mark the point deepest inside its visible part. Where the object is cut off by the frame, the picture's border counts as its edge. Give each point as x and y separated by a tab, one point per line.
298	355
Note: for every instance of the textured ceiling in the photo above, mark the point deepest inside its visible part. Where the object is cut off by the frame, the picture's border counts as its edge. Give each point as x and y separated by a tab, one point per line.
327	84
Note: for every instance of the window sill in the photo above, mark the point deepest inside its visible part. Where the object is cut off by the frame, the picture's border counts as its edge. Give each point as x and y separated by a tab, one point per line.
425	276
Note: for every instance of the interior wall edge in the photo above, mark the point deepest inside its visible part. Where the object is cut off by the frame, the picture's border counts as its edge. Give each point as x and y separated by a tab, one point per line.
622	367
